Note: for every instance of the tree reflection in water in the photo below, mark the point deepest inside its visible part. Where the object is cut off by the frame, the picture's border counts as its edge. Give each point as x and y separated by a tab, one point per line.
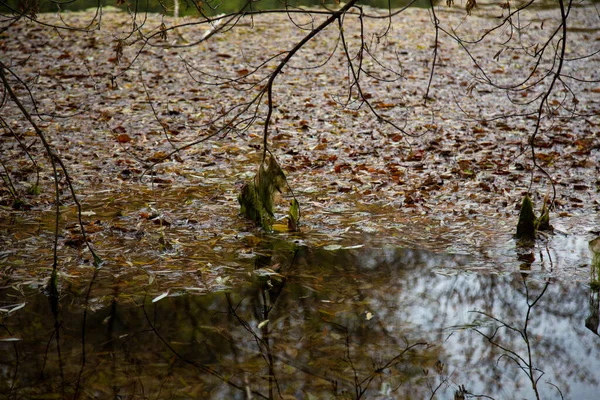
311	323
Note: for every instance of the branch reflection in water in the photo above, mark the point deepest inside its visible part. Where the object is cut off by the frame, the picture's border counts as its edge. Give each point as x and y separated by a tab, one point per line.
312	323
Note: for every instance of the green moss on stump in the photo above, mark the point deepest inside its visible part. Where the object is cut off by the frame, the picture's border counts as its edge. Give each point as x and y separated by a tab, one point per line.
256	197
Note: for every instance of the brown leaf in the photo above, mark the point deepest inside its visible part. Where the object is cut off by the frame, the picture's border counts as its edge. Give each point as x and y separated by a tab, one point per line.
303	124
340	167
74	241
416	155
93	228
162	181
385	105
159	156
123	138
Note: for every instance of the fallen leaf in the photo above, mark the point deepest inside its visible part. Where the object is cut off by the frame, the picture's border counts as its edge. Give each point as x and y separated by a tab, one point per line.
160	297
123	138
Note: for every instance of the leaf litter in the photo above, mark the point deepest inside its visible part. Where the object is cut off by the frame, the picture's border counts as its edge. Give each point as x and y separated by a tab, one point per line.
455	187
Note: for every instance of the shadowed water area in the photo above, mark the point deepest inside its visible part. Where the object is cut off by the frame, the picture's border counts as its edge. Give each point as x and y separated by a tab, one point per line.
308	323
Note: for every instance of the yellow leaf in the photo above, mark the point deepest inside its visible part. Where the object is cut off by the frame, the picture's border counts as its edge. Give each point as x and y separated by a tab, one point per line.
280	227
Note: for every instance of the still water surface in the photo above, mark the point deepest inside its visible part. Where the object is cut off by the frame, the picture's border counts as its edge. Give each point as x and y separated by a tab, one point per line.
308	323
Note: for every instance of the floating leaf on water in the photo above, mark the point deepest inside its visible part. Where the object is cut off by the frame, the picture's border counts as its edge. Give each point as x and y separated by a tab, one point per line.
220	280
123	138
280	228
11	310
157	157
266	321
368	229
17	308
266	272
356	246
252	240
160	297
194	289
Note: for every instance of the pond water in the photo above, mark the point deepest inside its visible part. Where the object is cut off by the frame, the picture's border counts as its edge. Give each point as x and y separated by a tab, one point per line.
190	303
309	323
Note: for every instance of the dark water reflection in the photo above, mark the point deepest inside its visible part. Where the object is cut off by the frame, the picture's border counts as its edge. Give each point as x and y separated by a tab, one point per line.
379	323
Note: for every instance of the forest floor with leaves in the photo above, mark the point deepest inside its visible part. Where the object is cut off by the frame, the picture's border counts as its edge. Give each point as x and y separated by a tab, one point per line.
454	185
